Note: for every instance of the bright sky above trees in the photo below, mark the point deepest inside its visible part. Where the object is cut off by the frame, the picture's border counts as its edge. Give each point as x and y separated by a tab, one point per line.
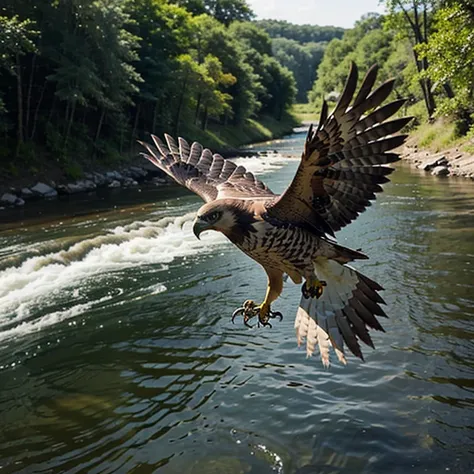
318	12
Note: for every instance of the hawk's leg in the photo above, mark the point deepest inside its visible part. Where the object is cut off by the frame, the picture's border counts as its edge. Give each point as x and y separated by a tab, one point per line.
250	309
313	288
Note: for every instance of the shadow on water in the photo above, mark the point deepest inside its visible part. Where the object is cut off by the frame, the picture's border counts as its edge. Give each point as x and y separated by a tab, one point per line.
117	353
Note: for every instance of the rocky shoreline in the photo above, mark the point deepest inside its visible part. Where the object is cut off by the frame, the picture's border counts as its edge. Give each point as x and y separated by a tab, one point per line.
126	177
451	162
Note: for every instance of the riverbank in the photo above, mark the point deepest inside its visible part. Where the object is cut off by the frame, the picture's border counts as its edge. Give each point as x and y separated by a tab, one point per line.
46	179
436	149
450	162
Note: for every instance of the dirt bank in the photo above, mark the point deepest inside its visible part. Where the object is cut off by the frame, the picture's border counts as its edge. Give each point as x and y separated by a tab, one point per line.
450	162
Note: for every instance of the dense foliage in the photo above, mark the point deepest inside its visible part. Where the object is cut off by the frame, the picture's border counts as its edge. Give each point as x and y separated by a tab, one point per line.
449	54
428	47
301	33
81	80
300	48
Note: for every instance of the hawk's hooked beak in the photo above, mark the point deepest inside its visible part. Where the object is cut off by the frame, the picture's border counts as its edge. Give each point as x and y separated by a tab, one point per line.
200	226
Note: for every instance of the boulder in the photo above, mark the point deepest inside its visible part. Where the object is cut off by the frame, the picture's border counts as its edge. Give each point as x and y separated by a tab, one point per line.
86	184
127	182
440	171
138	169
433	162
136	172
27	193
99	179
114	175
114	184
43	190
8	198
11	200
158	181
81	186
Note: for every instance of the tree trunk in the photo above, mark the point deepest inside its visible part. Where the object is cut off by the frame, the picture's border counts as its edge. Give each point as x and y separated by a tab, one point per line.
449	90
135	124
19	91
205	118
69	124
198	106
99	126
180	106
51	111
38	106
28	98
155	116
420	34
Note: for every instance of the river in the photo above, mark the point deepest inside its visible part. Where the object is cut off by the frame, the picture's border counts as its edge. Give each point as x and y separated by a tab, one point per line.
117	353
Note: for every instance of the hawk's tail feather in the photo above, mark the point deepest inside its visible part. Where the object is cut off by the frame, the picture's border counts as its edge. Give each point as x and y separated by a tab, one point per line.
343	314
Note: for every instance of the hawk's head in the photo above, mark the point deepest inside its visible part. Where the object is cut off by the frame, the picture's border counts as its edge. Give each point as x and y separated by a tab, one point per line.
216	215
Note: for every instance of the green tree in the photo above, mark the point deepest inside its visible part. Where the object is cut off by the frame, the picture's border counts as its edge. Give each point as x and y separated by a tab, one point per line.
450	55
412	19
211	37
224	11
16	40
302	60
367	43
164	30
300	33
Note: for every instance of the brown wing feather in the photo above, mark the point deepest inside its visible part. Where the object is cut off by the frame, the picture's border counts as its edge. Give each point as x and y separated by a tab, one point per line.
341	166
209	176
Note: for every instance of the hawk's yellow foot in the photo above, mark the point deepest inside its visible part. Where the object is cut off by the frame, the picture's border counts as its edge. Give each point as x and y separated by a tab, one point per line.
313	288
250	309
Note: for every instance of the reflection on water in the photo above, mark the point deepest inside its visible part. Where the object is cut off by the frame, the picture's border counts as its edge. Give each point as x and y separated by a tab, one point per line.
117	353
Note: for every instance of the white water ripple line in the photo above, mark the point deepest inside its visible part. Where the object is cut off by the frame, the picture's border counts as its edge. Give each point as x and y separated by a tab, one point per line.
37	282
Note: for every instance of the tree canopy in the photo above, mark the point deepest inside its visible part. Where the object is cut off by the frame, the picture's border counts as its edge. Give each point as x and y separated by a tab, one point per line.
300	48
81	80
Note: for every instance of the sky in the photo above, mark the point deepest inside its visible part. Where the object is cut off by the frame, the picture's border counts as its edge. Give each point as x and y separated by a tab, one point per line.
315	12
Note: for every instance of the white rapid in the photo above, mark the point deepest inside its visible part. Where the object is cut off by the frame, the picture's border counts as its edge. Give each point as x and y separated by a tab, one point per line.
40	290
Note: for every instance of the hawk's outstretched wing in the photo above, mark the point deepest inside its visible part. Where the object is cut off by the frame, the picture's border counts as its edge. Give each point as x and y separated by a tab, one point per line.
341	167
209	176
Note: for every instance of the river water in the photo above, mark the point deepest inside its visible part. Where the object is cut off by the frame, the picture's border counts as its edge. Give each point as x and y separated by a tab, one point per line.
117	353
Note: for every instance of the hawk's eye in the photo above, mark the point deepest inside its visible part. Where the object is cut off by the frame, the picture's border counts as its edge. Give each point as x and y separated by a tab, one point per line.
212	217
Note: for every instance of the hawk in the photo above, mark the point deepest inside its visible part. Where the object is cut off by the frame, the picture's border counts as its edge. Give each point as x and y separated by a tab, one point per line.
341	169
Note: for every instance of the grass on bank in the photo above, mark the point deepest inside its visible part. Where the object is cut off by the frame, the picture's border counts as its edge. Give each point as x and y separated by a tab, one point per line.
221	137
305	112
441	135
38	164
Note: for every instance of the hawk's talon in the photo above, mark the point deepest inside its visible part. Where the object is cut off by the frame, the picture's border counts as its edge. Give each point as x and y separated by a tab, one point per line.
276	314
249	310
313	289
237	312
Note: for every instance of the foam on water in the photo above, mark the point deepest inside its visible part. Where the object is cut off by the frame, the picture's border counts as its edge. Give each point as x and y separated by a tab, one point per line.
262	164
39	280
55	283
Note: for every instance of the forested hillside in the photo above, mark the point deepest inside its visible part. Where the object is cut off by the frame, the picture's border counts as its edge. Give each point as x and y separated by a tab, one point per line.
80	81
428	47
300	48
